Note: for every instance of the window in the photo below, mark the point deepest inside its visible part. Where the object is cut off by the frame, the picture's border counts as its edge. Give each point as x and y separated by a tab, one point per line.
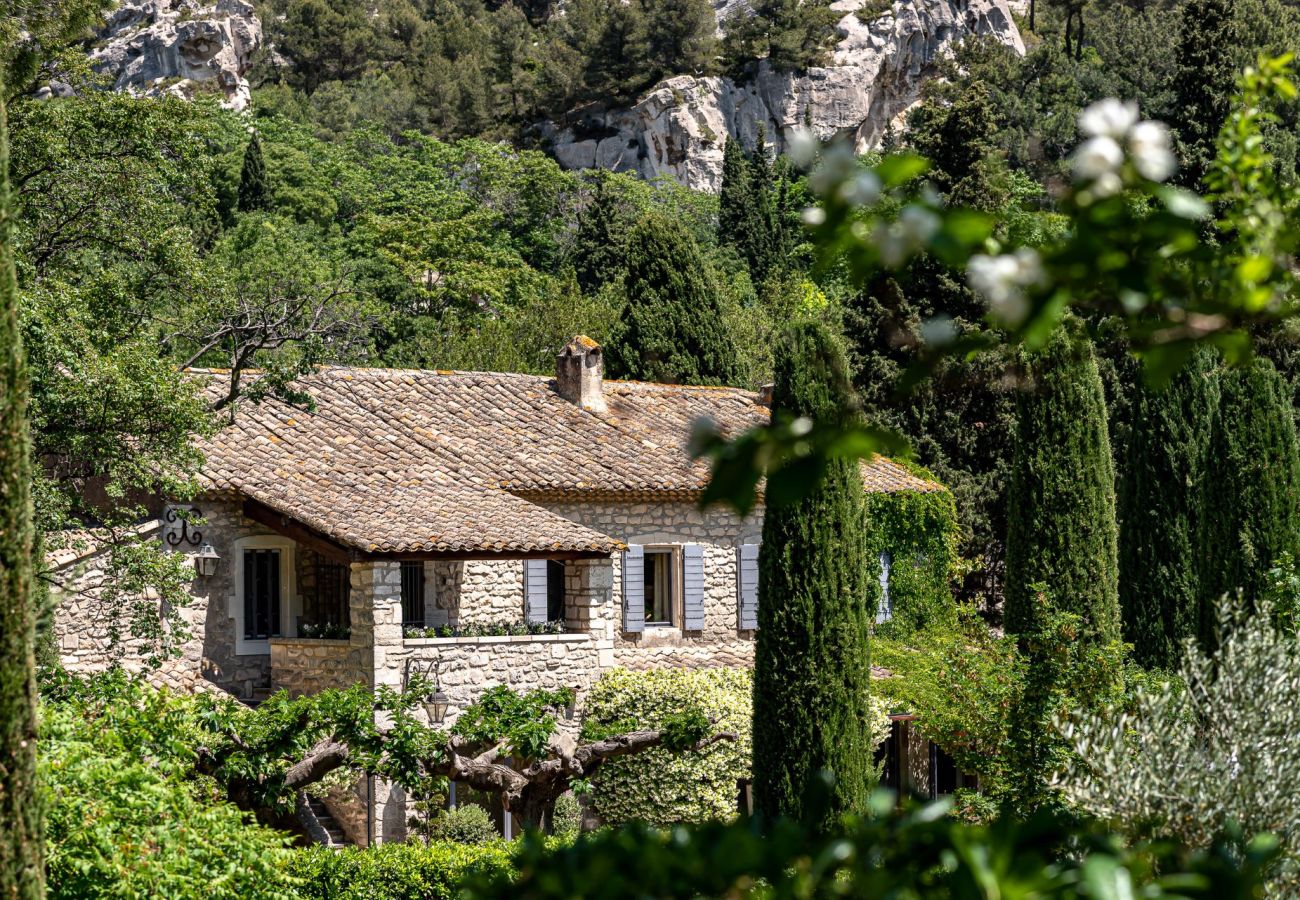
885	611
328	604
660	587
261	594
263	600
413	594
554	591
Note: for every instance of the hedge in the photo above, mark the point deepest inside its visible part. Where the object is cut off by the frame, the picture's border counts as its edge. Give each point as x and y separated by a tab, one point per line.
921	534
658	786
410	871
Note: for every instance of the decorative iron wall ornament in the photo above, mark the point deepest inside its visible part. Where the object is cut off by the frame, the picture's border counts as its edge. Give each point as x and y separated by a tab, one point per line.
186	535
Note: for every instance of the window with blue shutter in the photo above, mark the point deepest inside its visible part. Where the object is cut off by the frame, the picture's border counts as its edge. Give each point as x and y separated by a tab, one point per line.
885	611
535	591
634	588
693	587
747	587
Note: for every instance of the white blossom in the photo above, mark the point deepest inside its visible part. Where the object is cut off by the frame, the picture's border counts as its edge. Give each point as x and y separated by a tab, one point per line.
813	215
919	224
1096	157
1108	118
862	189
1150	149
838	164
801	147
1004	279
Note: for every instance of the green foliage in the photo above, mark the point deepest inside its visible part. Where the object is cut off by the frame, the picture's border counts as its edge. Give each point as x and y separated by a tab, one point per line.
789	35
1061	501
396	871
524	721
811	667
566	818
1252	484
254	192
468	823
1162	496
127	815
920	852
673	328
1207	61
21	852
661	786
1207	754
919	531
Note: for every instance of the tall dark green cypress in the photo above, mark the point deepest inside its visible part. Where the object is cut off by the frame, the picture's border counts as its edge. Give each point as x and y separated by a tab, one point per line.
1161	500
1203	83
672	329
736	221
254	186
1061	500
1252	483
598	245
815	595
22	868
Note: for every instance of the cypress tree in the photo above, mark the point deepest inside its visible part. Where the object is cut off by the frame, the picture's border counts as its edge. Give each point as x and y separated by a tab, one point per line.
1061	500
1203	82
254	188
22	865
1252	484
1161	501
598	245
762	251
815	590
672	329
738	223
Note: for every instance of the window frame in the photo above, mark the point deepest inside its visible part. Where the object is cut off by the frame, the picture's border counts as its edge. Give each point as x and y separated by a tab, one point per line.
674	554
288	591
423	589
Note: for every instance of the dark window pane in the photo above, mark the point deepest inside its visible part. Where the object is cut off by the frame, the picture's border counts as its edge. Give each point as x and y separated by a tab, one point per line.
261	594
413	593
554	590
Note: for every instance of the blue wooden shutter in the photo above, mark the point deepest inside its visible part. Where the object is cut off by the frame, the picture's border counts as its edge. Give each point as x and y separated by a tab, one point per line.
693	587
747	586
634	588
535	591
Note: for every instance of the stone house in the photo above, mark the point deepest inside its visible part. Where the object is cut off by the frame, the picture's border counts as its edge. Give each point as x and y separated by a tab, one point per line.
496	528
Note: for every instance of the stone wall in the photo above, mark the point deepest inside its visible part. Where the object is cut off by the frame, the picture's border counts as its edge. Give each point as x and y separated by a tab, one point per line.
311	665
720	531
209	654
478	592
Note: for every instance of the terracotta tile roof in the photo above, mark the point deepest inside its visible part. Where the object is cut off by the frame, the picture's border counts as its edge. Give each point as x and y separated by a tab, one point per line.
396	460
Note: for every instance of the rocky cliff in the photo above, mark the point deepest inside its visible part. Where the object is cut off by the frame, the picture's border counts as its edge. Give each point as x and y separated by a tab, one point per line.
180	46
678	129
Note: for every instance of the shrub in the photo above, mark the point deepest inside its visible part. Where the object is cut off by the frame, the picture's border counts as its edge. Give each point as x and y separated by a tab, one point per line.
566	821
1213	753
660	786
919	531
466	824
397	871
126	824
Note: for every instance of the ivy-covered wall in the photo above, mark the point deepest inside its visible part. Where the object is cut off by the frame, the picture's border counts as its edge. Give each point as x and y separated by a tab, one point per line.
661	787
920	532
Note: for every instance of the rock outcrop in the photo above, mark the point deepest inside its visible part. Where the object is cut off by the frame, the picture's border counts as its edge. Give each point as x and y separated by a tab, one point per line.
678	129
154	47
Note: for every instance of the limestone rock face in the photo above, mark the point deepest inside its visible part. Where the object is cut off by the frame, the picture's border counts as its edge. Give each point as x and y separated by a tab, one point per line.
154	47
678	129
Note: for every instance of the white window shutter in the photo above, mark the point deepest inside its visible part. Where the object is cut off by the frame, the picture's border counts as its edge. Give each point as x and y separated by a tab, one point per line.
693	587
885	611
535	591
634	588
747	586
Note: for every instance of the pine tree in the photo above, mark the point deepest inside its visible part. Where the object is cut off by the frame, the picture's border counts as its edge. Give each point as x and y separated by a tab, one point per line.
1161	501
672	329
1252	484
811	663
1061	500
1203	82
22	865
254	189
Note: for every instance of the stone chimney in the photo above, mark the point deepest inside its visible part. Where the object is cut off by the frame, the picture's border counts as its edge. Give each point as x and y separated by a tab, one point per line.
580	374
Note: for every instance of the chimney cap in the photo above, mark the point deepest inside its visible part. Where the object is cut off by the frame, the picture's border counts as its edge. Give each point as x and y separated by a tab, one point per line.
580	345
765	395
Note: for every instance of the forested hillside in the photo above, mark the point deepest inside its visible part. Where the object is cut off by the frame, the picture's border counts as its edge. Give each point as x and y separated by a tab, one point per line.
378	205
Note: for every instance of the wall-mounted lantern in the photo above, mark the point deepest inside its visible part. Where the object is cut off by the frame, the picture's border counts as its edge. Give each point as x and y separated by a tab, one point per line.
205	563
436	703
